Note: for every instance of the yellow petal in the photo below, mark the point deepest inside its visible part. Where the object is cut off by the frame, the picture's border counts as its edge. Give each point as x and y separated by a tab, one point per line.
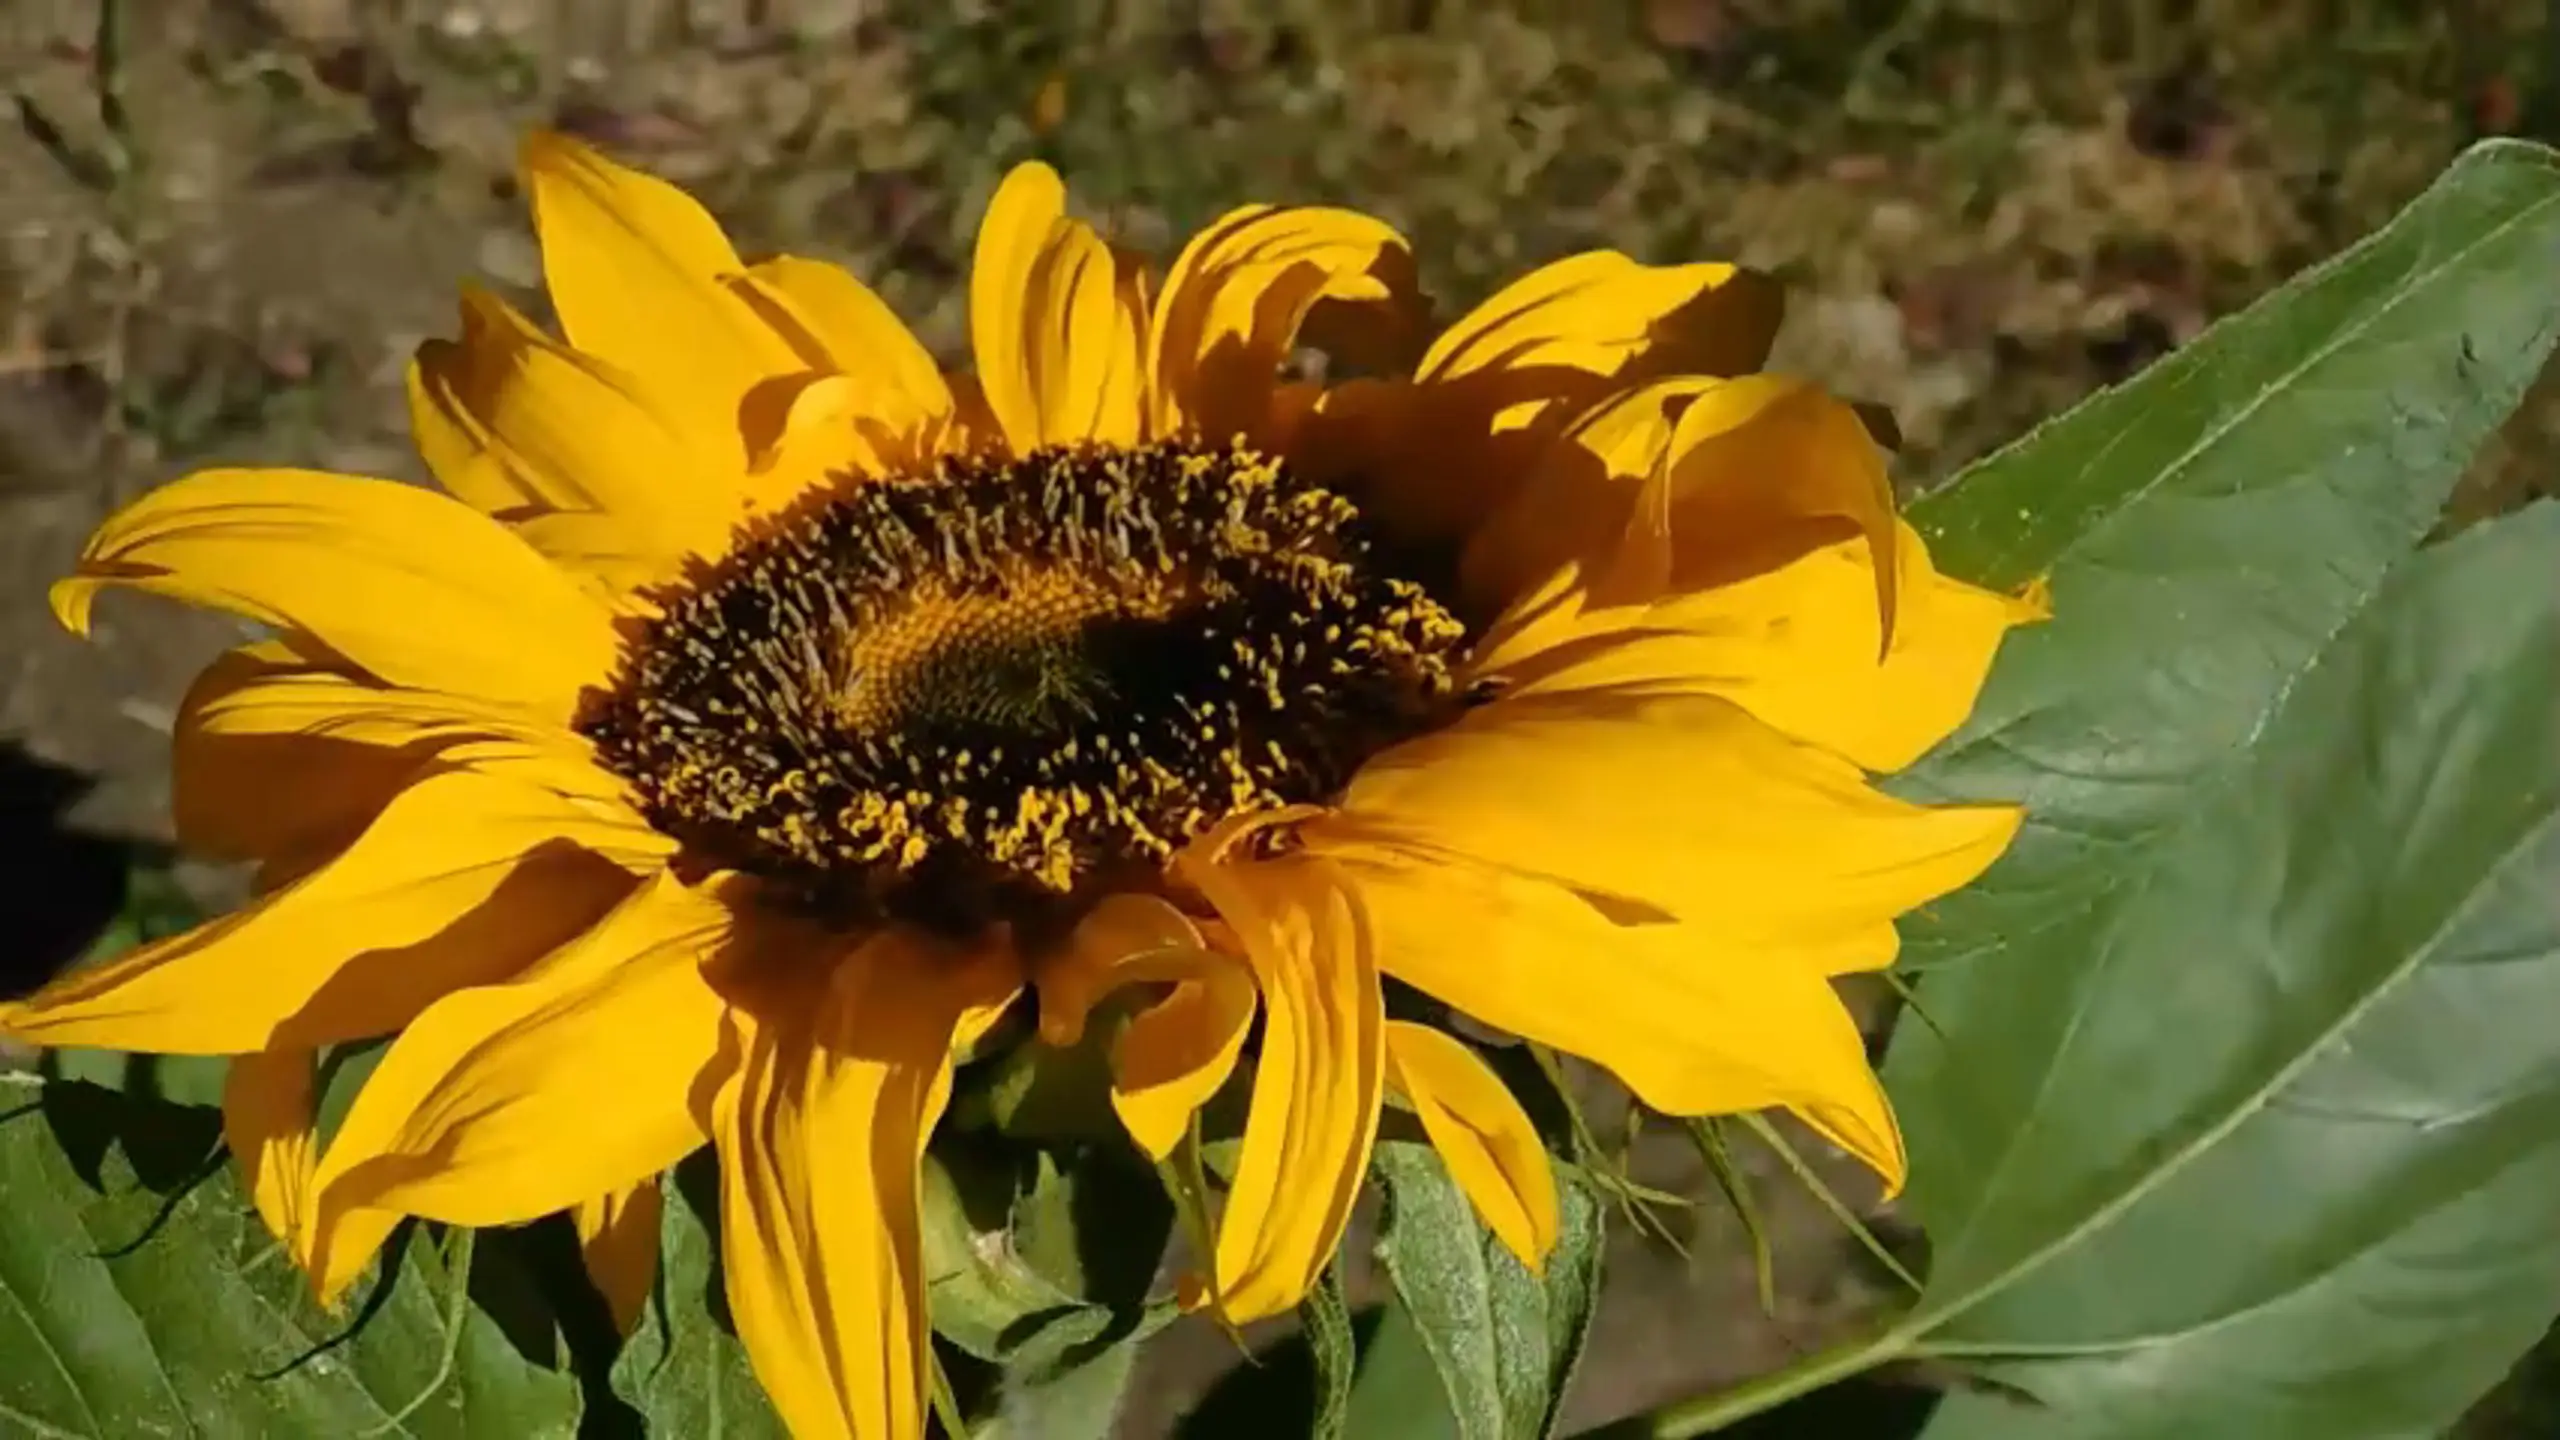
811	431
1056	320
1316	1084
1235	298
1450	449
1797	647
463	880
1526	574
1760	470
1685	804
1172	1055
1482	1134
1603	316
1694	1025
572	432
267	1120
618	1239
860	335
821	1131
637	273
1178	1052
502	1103
1026	210
278	759
409	585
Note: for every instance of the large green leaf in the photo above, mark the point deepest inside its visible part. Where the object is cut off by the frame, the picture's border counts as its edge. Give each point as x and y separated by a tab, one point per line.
2208	527
164	1308
2268	1144
1505	1341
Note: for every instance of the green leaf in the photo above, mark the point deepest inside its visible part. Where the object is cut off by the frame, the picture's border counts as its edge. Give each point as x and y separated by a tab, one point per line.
1081	1402
1326	1319
2268	1143
2207	529
1505	1341
1398	1391
200	1325
683	1369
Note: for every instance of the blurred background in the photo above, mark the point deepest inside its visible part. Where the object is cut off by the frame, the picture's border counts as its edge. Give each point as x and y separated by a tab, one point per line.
224	224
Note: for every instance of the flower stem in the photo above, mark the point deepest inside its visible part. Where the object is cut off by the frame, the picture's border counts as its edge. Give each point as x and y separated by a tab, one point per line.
1705	1414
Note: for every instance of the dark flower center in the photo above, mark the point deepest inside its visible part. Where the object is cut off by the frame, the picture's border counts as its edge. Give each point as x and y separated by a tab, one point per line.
961	696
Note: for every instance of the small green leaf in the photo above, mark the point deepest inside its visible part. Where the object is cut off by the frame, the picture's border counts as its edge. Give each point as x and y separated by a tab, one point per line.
2270	1147
1398	1391
984	1298
1081	1402
1326	1319
1505	1341
683	1369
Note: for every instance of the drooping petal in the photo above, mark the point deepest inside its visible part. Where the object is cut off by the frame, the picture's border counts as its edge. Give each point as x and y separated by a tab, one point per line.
268	1116
505	1102
1317	1081
1694	1024
618	1240
409	585
637	272
571	433
1682	803
1174	1053
1482	1134
463	880
821	1130
1056	319
1235	298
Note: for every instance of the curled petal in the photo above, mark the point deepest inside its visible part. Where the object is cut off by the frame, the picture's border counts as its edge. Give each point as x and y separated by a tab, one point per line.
1235	298
1316	1084
1176	1051
354	565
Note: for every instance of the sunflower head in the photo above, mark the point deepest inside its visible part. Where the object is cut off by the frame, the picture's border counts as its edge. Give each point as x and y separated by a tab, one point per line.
762	709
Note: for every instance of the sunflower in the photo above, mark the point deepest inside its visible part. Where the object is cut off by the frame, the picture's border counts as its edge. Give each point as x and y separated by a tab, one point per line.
760	711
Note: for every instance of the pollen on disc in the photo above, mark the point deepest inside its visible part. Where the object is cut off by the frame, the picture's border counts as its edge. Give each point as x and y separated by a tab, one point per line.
941	695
